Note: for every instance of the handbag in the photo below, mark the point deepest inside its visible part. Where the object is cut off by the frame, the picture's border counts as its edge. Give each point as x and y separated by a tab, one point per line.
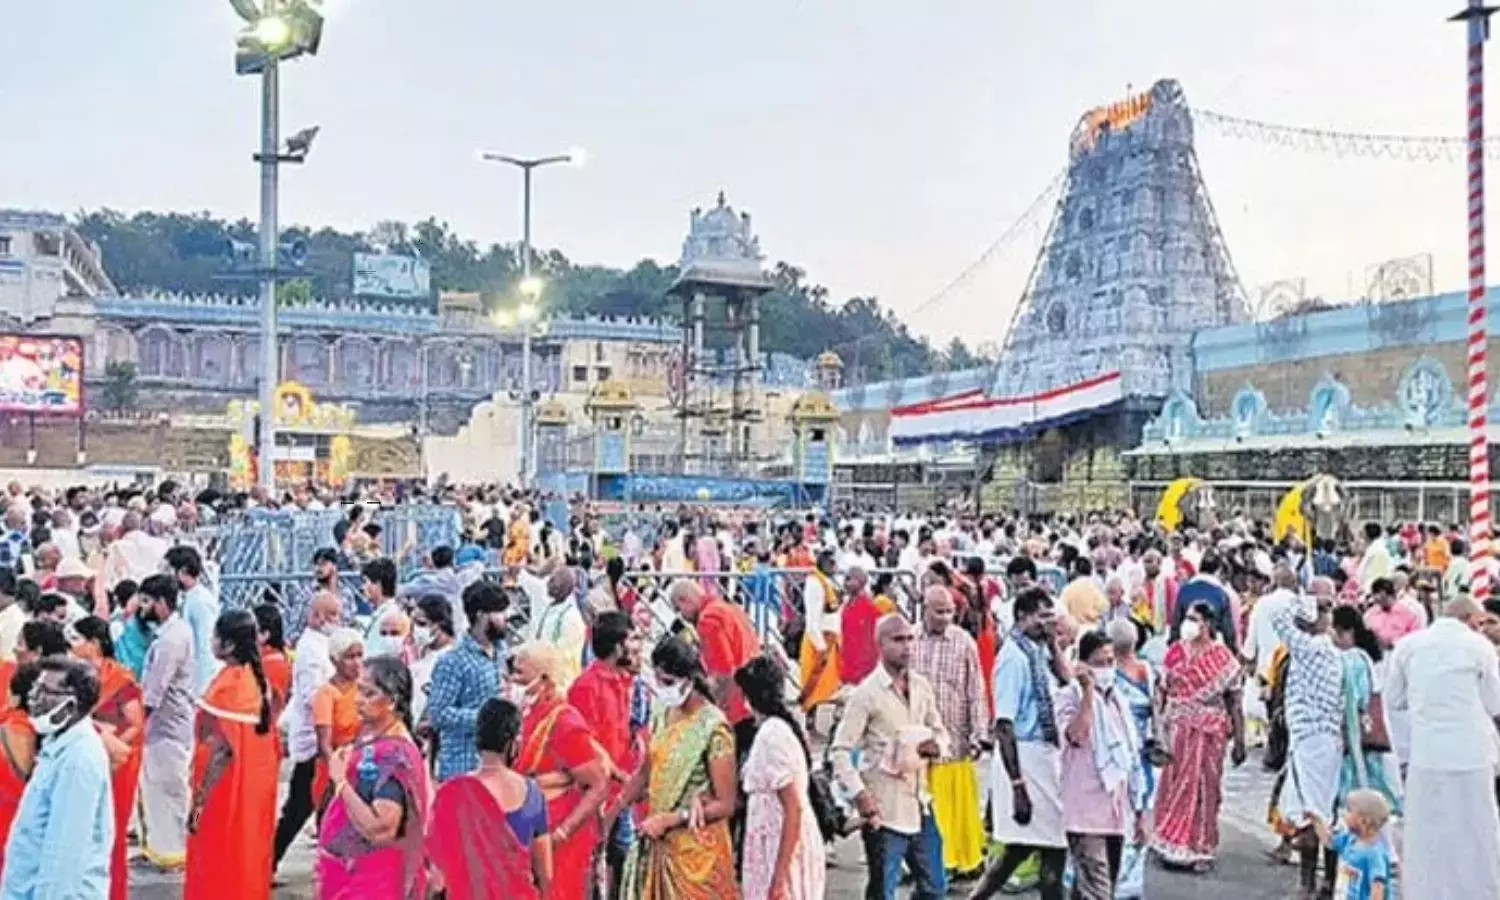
834	820
1373	736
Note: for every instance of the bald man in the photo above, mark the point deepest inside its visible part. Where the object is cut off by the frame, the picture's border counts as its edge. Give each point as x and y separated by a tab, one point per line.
1447	677
311	669
561	624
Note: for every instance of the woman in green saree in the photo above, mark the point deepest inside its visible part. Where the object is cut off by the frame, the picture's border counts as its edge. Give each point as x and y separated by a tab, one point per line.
683	851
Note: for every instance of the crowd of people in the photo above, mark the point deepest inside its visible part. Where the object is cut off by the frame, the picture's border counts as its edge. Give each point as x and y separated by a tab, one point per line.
699	703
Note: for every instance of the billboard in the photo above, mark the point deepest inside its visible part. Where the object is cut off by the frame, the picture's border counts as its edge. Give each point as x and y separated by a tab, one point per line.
389	275
41	374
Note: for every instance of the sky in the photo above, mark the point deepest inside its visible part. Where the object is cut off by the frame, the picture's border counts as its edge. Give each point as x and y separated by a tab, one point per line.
880	145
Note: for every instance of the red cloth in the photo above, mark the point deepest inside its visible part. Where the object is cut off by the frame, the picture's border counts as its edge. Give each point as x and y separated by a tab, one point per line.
471	842
726	641
556	738
602	696
860	651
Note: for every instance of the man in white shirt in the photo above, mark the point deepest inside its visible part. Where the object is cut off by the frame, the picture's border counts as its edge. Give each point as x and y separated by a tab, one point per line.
561	625
1376	562
1448	677
1261	640
311	670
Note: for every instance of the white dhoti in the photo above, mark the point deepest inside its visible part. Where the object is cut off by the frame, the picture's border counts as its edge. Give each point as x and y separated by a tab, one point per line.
1452	836
1311	786
1041	769
165	798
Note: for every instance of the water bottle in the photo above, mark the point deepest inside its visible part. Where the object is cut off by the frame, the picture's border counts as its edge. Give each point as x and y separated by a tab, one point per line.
367	772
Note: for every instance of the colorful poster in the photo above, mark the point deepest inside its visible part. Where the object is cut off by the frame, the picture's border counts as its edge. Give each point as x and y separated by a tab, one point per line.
41	375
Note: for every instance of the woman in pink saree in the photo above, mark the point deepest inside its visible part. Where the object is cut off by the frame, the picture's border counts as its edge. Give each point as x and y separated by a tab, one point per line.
1201	713
370	842
488	839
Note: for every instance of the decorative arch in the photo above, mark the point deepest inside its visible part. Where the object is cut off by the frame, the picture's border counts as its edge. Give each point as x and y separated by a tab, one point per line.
1179	416
162	353
1327	405
1424	392
354	360
247	370
309	360
212	355
400	369
1246	410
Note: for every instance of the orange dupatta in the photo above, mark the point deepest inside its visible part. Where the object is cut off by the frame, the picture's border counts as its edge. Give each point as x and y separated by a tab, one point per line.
229	852
117	691
554	739
14	725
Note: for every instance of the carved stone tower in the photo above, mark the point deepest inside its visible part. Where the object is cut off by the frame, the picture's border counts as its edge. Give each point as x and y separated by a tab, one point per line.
720	285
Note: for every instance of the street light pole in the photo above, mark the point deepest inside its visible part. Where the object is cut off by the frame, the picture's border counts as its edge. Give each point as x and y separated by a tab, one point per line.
527	322
270	143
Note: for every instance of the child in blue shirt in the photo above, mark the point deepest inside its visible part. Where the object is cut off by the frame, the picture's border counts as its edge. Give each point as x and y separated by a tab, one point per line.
1364	855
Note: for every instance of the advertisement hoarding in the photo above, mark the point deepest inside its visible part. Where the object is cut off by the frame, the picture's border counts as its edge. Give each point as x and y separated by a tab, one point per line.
389	275
41	374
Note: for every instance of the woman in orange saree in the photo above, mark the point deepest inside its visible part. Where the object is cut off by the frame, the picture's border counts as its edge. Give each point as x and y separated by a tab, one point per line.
120	717
274	660
683	851
17	748
517	539
370	841
488	836
335	709
558	750
232	821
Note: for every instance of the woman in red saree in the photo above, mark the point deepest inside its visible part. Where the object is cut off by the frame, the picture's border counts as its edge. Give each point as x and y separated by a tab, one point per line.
1201	712
488	836
17	748
121	720
232	821
274	660
558	750
371	838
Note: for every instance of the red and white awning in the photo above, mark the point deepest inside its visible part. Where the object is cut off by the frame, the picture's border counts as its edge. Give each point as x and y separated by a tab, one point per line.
972	415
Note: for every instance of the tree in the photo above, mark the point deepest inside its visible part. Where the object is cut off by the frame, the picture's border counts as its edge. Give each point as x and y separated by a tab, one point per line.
120	390
296	292
958	356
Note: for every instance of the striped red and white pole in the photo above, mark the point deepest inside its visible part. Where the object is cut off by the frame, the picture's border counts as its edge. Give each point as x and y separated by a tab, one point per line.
1476	18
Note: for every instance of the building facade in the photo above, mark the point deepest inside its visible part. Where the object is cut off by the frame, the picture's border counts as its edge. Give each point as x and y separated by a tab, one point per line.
42	261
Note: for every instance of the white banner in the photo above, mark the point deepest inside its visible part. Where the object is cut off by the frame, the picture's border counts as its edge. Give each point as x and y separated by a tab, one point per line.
389	275
974	416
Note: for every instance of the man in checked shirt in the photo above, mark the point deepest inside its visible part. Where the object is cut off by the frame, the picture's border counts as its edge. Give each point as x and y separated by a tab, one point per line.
947	656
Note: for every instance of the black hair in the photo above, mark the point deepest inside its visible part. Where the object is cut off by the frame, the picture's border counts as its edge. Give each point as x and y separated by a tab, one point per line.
1347	618
1373	531
974	567
1020	565
764	685
614	569
382	572
162	588
484	597
679	659
497	727
1206	613
185	561
93	628
44	637
325	555
391	676
7	582
1090	641
50	602
21	683
78	678
1383	586
442	557
438	612
122	593
28	592
238	629
268	619
1032	600
611	630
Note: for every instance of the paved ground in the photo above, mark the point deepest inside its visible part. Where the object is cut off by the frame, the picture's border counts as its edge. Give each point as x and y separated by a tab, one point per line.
1242	872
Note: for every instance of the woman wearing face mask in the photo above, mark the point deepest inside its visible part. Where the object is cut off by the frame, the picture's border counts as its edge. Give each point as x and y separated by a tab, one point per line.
274	661
121	720
370	841
558	750
1104	785
488	836
1200	710
17	747
232	821
688	782
335	708
432	636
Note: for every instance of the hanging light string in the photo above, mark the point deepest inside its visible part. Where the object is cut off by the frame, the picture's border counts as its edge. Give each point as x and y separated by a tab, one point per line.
1342	144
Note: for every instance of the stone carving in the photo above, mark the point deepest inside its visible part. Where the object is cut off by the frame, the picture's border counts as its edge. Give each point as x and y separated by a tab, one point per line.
1404	278
719	236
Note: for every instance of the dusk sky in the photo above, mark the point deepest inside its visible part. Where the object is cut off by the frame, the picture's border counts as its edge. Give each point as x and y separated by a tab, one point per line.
881	145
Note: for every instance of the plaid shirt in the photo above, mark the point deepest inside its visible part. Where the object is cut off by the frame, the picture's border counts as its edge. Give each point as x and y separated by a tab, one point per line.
463	679
950	661
1315	677
13	548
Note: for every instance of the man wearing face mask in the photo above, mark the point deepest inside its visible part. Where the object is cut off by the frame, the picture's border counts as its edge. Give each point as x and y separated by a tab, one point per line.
465	677
170	701
61	838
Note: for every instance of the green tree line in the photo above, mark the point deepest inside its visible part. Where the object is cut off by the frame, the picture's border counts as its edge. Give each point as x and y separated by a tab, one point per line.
151	251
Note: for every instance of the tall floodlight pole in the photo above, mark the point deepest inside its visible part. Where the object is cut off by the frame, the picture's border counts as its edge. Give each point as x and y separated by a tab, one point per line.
275	30
531	289
1476	18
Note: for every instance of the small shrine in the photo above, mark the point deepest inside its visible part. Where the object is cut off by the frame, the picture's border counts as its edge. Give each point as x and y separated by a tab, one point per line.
552	421
611	408
828	371
313	440
813	417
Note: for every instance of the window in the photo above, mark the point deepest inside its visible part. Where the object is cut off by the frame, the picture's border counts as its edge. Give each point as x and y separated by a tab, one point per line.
603	373
598	351
581	374
4	245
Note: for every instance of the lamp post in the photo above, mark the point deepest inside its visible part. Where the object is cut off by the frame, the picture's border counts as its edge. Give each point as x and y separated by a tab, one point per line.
531	288
276	30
